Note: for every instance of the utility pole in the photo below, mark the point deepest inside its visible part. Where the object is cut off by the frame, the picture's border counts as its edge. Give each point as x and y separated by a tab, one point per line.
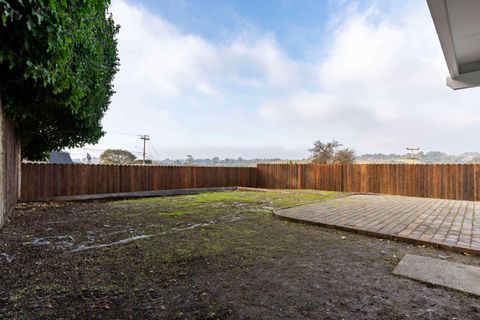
144	138
412	150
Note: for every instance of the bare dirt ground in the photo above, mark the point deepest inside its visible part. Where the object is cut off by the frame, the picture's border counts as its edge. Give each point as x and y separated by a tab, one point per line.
208	256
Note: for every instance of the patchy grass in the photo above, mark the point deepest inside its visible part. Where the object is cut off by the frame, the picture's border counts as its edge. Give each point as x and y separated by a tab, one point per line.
210	256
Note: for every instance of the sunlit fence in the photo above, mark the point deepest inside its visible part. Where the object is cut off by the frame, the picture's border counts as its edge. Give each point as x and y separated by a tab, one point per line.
45	181
446	181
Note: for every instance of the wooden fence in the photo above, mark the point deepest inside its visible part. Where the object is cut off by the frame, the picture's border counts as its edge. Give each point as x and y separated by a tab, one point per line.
450	181
46	181
453	181
9	167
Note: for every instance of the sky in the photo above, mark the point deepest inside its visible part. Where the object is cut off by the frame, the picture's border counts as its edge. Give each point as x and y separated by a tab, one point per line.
264	79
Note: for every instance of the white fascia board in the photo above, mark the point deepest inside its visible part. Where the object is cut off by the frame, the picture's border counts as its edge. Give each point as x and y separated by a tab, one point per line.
464	81
441	20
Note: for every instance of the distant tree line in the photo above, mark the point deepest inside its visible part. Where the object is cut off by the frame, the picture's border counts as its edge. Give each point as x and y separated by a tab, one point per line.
216	161
321	153
120	156
429	157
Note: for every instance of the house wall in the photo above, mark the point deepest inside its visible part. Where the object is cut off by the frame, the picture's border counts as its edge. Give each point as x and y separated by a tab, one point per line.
10	159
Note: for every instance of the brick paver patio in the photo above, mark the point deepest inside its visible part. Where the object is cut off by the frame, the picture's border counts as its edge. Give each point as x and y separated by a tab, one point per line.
449	224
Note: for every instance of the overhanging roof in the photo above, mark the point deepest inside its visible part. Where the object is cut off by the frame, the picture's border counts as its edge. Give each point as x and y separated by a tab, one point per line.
458	27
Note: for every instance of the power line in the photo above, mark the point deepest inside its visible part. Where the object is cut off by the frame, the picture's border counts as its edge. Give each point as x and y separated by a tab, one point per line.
154	150
140	153
144	138
92	149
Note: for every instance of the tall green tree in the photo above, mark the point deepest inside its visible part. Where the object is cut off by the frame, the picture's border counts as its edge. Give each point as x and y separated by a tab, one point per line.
323	153
117	156
58	59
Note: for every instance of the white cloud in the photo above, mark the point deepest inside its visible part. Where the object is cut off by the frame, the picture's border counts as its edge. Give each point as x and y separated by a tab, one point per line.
387	54
171	82
158	57
301	106
207	88
262	62
378	87
168	62
382	87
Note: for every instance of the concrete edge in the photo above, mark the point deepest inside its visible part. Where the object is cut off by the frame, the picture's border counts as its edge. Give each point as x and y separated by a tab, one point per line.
252	189
127	195
404	269
442	246
154	193
344	195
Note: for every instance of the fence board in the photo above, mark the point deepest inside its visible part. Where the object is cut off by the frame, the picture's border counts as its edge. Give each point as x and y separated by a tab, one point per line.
9	166
42	181
447	181
459	182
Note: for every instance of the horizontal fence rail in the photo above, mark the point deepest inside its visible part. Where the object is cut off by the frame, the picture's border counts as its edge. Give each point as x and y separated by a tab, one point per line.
452	181
445	181
46	181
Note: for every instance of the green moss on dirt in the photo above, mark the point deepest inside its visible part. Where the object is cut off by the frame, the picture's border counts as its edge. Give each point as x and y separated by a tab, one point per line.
277	199
166	212
207	254
37	290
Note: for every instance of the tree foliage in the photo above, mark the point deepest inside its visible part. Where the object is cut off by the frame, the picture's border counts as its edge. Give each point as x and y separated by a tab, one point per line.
323	153
117	156
58	59
346	155
189	160
475	160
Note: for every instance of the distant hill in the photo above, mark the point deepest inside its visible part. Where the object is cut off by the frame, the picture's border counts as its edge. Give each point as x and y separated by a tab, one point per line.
227	162
215	161
422	157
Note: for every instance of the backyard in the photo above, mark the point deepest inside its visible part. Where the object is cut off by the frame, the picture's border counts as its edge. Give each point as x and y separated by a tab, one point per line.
208	256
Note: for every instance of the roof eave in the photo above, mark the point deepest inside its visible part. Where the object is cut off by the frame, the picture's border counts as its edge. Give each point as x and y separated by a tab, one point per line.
466	75
464	81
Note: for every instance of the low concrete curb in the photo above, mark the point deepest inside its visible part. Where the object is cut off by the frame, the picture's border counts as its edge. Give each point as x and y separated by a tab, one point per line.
155	193
141	194
443	273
